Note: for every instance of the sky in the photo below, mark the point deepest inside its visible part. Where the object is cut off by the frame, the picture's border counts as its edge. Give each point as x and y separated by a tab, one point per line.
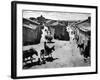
56	15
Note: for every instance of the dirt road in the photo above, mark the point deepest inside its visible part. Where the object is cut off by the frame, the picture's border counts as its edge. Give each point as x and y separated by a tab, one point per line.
66	54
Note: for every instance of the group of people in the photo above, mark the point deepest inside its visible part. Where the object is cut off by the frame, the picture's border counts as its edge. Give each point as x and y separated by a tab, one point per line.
83	42
41	58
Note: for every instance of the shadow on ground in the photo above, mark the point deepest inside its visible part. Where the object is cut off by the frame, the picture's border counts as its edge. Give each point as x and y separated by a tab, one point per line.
29	65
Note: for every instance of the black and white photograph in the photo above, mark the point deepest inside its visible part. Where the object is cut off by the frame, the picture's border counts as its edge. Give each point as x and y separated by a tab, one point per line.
56	39
53	39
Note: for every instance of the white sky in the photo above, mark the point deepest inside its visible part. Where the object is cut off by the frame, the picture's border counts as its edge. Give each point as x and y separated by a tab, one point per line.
56	15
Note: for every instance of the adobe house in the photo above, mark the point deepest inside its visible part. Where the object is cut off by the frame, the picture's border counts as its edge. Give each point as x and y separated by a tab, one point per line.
31	32
83	30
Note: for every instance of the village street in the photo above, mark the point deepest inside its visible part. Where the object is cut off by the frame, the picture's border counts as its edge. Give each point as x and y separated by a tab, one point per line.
66	54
